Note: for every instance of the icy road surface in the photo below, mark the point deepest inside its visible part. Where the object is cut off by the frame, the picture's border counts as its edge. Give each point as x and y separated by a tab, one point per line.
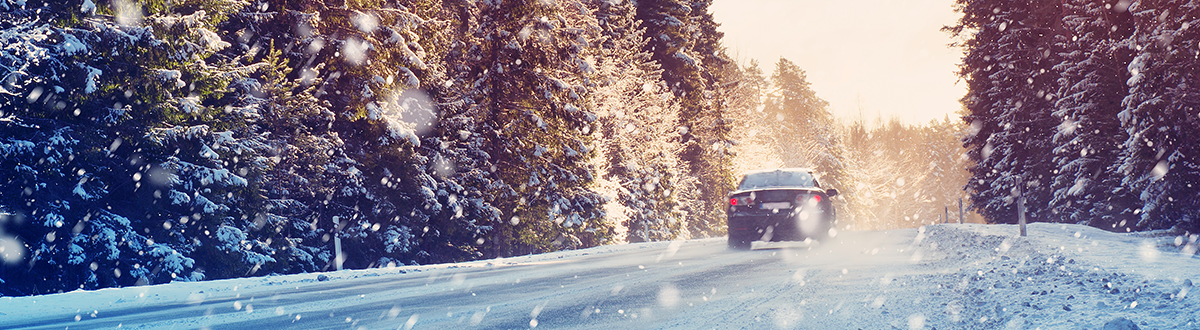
938	276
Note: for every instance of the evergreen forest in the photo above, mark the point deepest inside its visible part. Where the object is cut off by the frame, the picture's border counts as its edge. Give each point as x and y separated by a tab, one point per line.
1085	109
150	141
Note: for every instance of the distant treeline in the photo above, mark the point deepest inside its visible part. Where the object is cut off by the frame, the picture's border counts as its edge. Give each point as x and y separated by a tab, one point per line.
889	174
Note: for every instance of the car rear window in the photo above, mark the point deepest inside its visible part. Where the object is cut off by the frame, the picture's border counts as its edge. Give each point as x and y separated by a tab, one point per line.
778	178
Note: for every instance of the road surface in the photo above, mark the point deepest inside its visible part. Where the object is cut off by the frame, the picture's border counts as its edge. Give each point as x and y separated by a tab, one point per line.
944	277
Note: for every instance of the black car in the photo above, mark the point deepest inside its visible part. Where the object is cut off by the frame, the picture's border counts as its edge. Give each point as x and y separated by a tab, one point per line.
785	204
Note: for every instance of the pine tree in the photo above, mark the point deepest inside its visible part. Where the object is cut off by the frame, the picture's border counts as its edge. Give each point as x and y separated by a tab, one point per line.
1086	187
291	177
751	127
904	200
869	174
1158	160
900	175
529	68
191	148
944	160
1008	66
637	141
802	125
684	41
126	218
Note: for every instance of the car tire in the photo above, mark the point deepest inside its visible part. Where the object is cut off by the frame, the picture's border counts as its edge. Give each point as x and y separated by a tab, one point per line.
737	242
823	235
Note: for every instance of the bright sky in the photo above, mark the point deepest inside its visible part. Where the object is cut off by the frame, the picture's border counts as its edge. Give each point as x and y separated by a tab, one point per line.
884	57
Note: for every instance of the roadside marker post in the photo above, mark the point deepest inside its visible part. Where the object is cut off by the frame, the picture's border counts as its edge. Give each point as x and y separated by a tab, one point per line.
337	244
960	211
1021	209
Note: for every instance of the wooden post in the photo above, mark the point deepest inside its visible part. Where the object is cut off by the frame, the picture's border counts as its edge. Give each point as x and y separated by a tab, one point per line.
960	211
946	214
1021	209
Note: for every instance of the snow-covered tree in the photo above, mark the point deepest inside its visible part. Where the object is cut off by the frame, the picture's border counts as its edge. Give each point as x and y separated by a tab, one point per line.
899	175
527	69
147	141
1087	188
871	173
751	127
684	41
1159	161
801	125
1009	69
884	189
637	143
1115	80
132	193
356	116
944	162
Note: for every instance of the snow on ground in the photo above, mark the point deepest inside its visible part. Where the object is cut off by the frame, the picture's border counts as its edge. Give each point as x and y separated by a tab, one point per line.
947	276
1058	277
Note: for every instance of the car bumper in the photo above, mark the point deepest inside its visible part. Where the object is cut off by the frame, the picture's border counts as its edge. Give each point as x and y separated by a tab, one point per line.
782	226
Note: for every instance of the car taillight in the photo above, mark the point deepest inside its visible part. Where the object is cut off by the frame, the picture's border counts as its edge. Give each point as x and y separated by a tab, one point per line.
733	201
814	199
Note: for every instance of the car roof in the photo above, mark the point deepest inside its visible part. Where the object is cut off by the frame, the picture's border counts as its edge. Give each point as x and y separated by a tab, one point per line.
786	169
796	170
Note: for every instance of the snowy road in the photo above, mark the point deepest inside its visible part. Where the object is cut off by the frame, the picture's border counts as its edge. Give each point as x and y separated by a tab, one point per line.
942	276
